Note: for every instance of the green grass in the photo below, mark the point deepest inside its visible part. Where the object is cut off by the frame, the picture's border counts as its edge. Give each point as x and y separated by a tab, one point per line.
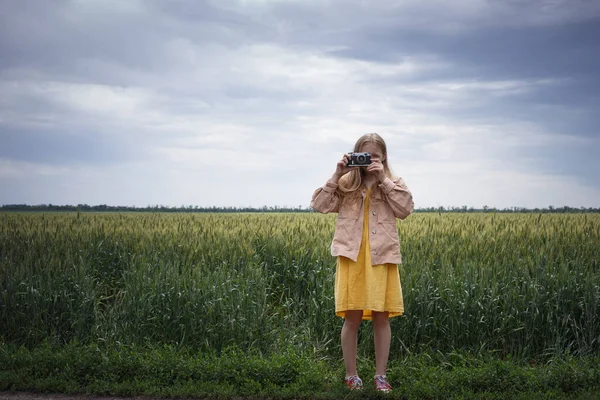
496	306
166	371
525	285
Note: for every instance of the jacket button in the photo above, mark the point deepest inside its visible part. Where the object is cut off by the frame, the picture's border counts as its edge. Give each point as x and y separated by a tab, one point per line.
374	213
373	231
375	252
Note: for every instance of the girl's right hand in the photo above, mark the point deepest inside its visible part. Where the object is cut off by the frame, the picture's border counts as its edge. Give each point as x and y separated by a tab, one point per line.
342	166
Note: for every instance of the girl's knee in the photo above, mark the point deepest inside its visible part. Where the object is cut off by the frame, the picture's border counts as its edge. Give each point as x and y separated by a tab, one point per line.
380	319
353	319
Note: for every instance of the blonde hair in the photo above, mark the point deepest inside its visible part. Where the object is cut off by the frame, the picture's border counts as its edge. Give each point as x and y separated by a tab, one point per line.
353	180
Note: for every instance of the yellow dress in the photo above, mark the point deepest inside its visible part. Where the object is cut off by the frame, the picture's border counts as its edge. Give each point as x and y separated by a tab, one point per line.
362	286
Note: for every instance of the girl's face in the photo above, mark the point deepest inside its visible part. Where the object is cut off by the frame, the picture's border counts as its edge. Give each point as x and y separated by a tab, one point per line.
376	153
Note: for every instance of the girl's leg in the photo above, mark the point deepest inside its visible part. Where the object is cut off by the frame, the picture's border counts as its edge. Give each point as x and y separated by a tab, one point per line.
350	339
383	337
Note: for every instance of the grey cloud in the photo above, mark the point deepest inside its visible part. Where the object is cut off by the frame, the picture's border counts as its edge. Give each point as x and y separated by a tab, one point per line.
61	147
566	50
180	52
576	161
56	37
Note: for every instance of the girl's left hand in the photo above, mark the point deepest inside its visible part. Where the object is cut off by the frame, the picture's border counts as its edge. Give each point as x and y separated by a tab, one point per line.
376	168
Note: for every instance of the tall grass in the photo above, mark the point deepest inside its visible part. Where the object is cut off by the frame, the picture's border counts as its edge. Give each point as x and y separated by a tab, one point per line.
525	285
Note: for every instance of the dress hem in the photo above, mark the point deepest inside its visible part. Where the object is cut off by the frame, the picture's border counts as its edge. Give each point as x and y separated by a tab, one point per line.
368	317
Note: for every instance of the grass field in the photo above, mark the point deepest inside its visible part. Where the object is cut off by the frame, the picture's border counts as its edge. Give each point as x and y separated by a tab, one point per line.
519	286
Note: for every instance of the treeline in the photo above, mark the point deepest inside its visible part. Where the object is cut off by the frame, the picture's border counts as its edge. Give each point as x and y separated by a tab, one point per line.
266	209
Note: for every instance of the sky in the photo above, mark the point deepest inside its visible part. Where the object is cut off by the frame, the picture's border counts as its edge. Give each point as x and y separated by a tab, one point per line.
252	102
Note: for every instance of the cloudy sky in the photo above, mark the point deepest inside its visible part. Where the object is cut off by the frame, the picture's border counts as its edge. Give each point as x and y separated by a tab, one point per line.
252	102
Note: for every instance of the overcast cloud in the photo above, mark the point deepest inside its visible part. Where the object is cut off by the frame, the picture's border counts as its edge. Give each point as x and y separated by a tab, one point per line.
252	103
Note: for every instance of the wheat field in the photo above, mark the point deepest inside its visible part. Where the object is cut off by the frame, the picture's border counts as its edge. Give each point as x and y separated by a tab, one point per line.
526	285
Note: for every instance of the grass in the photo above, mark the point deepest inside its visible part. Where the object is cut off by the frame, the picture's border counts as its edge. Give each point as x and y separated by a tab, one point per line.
169	372
517	296
525	285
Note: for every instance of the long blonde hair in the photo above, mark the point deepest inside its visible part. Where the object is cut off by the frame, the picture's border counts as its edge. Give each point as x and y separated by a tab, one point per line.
353	179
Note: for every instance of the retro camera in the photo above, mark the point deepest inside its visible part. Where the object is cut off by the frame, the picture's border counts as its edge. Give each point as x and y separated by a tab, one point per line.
359	159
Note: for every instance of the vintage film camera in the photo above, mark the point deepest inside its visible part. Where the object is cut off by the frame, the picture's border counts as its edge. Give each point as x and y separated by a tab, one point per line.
359	159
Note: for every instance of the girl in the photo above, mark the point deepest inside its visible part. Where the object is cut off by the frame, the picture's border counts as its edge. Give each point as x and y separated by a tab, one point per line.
367	283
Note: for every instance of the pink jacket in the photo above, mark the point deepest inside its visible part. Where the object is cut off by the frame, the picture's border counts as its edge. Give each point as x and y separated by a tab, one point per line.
389	200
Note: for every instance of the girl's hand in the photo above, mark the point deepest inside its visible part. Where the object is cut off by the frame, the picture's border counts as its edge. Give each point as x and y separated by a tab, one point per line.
376	168
342	166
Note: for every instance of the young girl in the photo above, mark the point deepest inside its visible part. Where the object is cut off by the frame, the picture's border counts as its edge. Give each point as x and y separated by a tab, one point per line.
367	283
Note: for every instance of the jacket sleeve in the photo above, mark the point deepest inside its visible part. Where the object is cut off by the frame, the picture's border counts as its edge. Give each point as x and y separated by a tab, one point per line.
326	199
398	196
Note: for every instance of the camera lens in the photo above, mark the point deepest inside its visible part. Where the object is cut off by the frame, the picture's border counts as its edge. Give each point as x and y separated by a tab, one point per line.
361	159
